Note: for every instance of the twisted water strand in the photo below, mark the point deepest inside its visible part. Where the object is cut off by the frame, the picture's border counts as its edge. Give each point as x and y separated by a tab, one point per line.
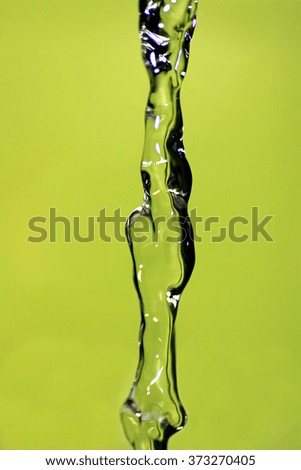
164	259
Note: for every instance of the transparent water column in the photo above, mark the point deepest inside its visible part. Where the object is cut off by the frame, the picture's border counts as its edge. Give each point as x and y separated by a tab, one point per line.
163	255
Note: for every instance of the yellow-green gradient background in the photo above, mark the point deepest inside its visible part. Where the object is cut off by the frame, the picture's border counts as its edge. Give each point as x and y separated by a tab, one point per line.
73	91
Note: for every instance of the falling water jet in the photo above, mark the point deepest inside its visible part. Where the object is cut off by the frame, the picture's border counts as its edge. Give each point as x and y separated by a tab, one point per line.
164	259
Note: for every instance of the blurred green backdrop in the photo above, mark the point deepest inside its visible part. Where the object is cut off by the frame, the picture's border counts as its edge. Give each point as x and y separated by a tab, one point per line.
73	91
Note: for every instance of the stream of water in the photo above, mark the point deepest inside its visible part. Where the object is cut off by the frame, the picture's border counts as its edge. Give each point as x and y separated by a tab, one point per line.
163	256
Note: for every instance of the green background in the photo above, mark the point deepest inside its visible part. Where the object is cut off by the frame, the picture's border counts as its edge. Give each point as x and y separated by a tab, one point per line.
72	94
